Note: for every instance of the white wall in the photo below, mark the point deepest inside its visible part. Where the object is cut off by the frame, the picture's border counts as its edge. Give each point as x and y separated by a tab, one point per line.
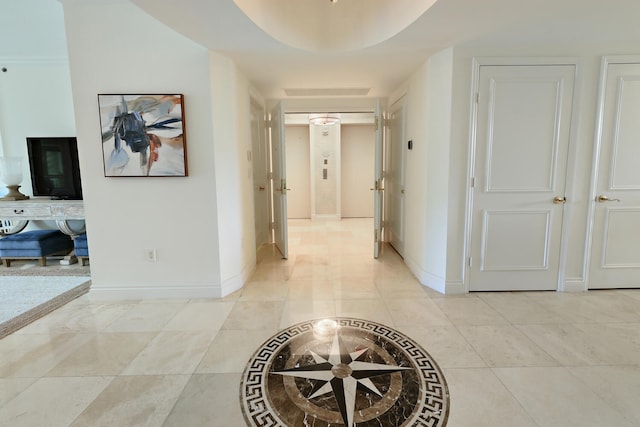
298	171
177	216
428	98
357	151
232	145
35	100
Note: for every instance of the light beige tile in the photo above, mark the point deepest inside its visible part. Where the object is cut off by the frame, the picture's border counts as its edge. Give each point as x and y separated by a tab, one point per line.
374	310
230	350
310	290
573	307
146	317
619	386
88	317
208	400
505	346
416	311
134	401
52	401
310	272
446	345
254	315
11	387
103	354
301	311
479	399
265	291
614	343
35	355
619	306
201	315
355	289
518	308
171	352
566	343
554	397
469	311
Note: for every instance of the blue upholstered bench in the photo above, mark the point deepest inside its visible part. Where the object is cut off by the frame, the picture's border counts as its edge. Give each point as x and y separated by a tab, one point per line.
36	244
81	248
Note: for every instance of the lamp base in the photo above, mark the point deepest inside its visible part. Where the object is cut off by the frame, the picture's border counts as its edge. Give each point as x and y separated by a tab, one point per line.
14	194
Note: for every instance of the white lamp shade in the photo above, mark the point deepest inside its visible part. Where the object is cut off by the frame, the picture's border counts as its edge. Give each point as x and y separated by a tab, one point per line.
11	170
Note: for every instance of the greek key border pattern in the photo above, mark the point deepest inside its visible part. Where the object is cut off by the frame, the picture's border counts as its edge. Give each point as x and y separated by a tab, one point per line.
257	411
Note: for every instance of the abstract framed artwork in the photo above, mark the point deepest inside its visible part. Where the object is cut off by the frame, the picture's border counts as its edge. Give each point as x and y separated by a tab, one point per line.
143	135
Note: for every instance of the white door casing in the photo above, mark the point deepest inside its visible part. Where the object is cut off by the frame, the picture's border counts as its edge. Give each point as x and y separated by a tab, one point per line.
395	176
615	243
279	179
523	131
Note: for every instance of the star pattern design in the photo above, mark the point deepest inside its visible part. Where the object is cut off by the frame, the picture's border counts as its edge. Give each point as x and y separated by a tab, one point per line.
340	373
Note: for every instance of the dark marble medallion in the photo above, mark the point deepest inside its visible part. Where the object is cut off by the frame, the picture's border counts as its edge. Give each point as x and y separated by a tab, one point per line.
343	372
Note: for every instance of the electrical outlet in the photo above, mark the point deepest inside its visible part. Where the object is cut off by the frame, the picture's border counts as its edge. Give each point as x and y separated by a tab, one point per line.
151	255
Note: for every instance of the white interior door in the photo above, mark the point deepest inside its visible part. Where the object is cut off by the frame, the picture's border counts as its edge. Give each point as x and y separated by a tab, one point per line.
395	178
522	139
615	247
259	156
279	181
378	195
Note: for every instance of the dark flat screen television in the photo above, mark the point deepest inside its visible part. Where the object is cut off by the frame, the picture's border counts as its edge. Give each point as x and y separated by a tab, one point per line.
55	169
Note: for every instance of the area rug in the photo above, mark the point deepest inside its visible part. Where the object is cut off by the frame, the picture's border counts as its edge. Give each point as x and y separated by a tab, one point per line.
53	268
25	299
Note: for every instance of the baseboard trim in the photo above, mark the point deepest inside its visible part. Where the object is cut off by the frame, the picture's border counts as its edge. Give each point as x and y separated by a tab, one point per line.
456	287
236	283
155	292
427	279
574	285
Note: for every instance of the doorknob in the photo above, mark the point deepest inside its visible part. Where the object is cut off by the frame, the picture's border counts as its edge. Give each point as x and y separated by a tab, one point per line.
560	200
261	188
602	198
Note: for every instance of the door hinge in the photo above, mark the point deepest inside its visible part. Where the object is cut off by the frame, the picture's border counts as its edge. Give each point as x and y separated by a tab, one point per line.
477	97
272	225
269	175
375	235
470	262
377	122
473	182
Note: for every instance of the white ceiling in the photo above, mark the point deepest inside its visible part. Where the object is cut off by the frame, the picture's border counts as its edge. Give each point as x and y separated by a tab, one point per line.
272	66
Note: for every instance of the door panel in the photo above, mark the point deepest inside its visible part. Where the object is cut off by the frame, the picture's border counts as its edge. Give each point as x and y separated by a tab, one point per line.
615	247
259	157
279	181
378	195
395	178
523	131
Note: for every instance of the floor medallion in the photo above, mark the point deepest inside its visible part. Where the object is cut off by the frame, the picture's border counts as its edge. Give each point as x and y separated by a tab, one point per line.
343	372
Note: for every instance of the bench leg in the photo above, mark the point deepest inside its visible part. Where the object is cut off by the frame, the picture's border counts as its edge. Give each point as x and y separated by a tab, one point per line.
43	261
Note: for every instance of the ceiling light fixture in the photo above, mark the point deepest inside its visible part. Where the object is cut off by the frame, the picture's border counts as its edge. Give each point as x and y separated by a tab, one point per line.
324	120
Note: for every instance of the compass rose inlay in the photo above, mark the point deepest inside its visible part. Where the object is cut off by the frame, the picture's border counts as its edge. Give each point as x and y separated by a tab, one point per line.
342	371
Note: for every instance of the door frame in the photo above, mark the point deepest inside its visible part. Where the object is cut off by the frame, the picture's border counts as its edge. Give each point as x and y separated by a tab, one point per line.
477	63
597	147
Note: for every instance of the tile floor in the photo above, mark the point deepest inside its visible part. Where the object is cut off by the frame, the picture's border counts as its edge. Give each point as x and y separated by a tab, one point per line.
510	359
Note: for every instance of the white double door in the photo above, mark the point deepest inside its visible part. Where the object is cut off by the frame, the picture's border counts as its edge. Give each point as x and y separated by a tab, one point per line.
523	120
615	244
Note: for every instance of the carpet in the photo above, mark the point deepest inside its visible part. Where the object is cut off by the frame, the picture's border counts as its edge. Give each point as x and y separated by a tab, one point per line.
25	299
30	267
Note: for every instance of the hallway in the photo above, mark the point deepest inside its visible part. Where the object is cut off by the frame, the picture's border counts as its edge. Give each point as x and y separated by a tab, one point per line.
509	359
